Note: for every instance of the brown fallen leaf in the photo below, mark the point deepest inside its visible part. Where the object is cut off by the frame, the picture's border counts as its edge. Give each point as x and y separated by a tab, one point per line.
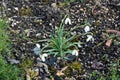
27	71
63	69
28	74
108	43
60	72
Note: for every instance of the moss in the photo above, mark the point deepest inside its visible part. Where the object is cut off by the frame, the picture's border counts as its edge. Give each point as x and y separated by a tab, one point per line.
4	39
25	11
63	4
7	71
26	63
73	66
10	72
76	65
32	73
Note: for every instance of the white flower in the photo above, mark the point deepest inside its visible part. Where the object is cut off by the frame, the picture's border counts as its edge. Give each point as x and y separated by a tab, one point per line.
75	52
89	38
16	8
87	28
43	56
37	45
68	21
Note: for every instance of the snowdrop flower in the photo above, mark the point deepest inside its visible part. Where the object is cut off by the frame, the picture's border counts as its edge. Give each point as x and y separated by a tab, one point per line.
89	38
75	52
43	56
87	28
37	45
68	21
16	8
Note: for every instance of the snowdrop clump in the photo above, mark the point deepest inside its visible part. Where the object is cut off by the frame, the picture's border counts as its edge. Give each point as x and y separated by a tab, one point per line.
89	37
75	52
68	21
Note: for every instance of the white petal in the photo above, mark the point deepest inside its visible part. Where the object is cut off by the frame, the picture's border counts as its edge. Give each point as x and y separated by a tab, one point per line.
42	58
75	52
87	28
16	8
37	45
68	21
89	38
45	55
79	45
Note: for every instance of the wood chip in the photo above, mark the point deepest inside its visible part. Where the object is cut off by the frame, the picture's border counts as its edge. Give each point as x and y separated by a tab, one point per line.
108	43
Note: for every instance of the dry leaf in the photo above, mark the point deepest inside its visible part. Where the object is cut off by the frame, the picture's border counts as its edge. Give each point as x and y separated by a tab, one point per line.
60	73
63	69
108	43
28	74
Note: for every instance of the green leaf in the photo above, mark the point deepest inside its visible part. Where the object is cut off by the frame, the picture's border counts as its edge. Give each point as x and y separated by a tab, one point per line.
50	50
68	45
116	42
68	52
69	39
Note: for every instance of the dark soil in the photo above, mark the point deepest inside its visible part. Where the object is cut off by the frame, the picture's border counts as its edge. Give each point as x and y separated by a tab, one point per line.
33	20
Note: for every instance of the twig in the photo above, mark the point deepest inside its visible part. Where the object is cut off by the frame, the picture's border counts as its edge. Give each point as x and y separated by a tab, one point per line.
113	31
